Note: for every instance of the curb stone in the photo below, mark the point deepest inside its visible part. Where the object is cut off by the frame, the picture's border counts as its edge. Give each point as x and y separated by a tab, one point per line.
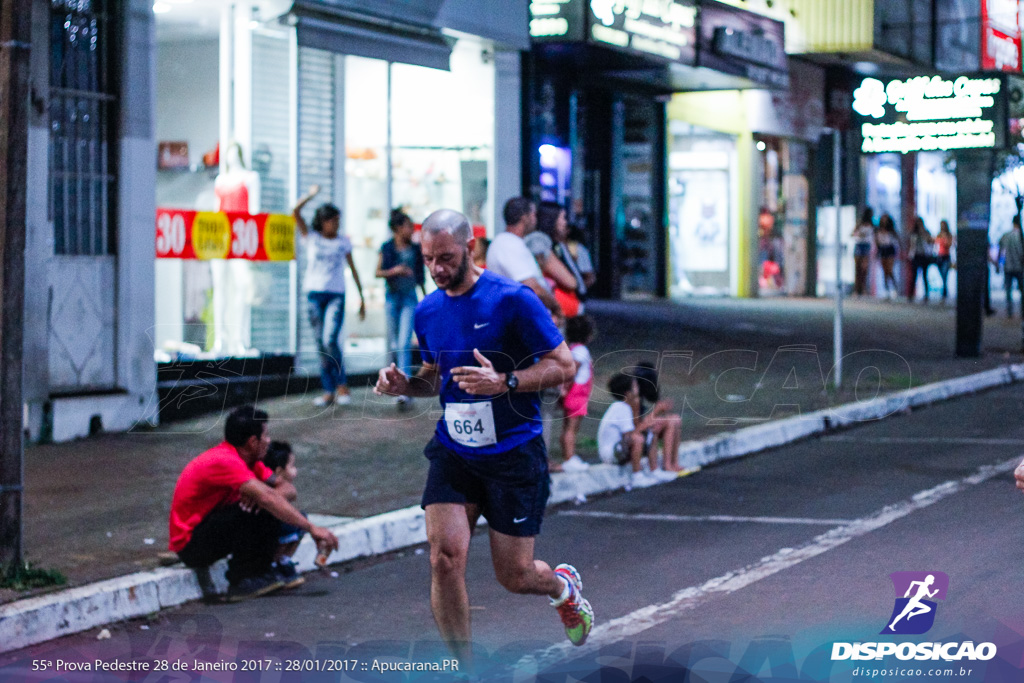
46	617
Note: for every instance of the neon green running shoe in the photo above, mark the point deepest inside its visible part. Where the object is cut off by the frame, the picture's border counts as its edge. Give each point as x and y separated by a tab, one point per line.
576	613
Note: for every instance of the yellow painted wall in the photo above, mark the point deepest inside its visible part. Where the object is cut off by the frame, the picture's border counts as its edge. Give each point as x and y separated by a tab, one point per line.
834	25
819	25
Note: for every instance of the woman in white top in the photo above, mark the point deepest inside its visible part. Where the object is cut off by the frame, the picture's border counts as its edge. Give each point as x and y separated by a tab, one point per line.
327	253
863	237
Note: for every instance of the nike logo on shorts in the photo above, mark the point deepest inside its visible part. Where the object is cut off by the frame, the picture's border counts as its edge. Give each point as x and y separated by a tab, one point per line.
519	520
477	326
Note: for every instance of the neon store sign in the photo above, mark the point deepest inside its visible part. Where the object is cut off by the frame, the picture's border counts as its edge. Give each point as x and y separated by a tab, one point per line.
662	28
927	113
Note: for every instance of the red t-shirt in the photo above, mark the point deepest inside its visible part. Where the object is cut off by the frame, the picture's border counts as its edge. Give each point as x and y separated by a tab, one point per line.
211	480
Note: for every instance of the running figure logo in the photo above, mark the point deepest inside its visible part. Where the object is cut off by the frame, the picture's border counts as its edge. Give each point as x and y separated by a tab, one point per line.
914	612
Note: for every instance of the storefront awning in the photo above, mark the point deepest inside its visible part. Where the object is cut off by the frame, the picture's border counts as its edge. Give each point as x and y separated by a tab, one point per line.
351	33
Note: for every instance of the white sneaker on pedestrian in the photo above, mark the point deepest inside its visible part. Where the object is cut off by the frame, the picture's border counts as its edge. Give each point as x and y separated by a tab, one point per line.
322	401
641	480
664	475
575	464
343	399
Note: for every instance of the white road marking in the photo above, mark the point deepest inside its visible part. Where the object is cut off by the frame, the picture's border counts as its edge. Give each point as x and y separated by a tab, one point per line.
966	440
645	517
614	630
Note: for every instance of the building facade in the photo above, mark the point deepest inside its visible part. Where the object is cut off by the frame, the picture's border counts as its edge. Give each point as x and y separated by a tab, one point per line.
88	317
157	118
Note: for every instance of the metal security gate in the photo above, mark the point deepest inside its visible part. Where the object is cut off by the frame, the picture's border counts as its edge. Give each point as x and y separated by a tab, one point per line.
318	77
271	144
83	194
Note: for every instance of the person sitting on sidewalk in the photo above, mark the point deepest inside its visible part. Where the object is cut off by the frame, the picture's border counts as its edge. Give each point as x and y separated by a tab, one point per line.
622	434
666	426
227	502
280	460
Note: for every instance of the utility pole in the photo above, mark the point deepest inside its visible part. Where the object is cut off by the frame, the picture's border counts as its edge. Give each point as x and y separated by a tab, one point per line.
15	37
837	323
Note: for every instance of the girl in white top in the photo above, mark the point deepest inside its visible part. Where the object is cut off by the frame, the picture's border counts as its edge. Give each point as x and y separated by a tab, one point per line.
327	253
863	236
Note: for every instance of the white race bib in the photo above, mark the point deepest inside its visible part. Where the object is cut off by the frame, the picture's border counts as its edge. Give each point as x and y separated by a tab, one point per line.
471	424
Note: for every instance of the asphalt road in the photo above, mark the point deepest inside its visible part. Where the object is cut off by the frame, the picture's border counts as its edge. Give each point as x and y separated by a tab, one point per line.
750	570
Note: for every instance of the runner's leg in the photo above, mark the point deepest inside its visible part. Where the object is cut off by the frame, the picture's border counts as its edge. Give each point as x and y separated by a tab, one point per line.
517	571
449	529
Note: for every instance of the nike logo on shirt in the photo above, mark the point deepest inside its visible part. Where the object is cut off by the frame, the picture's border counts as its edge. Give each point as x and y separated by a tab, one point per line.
477	326
520	520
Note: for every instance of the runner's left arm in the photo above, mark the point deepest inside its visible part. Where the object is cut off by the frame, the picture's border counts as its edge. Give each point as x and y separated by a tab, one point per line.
553	369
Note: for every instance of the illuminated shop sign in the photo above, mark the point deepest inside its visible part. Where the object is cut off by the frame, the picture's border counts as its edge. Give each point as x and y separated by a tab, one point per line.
1000	36
556	20
930	113
666	29
743	43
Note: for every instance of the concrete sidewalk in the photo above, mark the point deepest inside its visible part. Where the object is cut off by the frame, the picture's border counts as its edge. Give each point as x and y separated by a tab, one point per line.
727	364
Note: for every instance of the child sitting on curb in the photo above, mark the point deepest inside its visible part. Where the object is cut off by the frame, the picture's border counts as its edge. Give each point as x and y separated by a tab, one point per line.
622	434
281	460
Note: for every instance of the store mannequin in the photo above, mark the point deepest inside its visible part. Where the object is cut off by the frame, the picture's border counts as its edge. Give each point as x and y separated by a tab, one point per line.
237	189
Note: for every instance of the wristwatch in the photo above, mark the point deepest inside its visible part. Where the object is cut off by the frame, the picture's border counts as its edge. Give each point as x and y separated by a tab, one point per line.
511	381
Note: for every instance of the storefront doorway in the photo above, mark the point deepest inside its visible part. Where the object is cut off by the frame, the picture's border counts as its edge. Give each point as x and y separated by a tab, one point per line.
702	226
249	118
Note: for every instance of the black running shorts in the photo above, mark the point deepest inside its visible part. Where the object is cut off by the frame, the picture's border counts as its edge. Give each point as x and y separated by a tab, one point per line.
511	489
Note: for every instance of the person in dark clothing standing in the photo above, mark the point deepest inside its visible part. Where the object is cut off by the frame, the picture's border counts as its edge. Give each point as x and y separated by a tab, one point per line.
1011	253
401	265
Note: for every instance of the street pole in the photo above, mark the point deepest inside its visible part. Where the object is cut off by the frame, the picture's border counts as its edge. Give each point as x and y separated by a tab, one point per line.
15	39
837	327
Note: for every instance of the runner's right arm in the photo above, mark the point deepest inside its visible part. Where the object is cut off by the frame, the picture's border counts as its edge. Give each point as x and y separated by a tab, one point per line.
273	502
393	382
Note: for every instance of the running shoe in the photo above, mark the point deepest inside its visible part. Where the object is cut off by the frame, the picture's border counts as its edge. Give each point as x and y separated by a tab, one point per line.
575	611
575	464
325	400
342	397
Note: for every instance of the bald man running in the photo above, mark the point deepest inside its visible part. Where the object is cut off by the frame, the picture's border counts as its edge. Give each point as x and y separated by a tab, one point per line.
488	348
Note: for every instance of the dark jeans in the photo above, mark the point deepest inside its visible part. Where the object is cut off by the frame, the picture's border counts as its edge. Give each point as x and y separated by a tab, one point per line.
251	538
944	263
1008	279
919	264
327	315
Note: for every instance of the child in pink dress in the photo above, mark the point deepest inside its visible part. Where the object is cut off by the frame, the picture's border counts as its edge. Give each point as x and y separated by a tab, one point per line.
579	331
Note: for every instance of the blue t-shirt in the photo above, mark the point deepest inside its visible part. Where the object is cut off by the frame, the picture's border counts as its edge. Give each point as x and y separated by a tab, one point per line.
510	326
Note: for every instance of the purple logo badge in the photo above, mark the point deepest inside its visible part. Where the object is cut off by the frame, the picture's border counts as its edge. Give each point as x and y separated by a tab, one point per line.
916	593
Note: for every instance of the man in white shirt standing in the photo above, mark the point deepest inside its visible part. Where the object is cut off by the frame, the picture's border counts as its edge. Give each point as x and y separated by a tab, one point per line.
509	257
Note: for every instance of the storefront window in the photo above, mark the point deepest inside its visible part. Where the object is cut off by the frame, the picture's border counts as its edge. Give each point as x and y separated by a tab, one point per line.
701	227
782	217
442	135
366	208
437	134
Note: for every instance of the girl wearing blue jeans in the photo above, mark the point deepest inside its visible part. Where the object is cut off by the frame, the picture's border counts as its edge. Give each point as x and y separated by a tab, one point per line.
327	253
401	265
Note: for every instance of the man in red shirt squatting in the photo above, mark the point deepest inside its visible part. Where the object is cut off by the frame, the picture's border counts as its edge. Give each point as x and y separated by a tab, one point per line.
228	502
